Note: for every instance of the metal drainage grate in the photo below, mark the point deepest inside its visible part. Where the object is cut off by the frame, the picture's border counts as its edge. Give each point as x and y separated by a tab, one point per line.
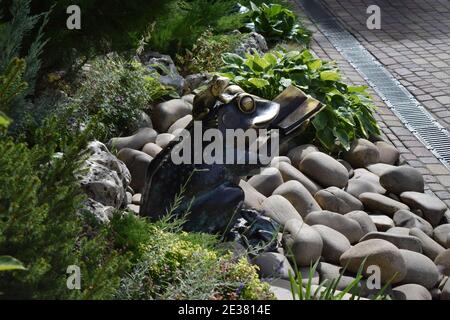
414	116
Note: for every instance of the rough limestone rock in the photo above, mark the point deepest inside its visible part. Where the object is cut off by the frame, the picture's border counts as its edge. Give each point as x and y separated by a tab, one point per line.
137	162
442	262
375	202
356	187
302	242
334	243
298	153
348	227
382	222
134	208
105	178
400	241
267	181
299	196
380	253
288	172
167	113
136	141
253	199
411	291
280	209
363	219
420	269
401	179
388	153
273	265
163	64
101	213
442	234
252	43
324	170
362	153
180	124
429	247
337	200
152	149
407	219
432	208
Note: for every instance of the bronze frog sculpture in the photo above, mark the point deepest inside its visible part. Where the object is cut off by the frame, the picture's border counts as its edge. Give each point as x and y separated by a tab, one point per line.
208	194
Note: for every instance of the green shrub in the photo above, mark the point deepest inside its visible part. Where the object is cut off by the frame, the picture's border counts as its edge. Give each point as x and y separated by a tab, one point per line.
39	222
177	265
205	55
277	23
185	21
116	91
348	112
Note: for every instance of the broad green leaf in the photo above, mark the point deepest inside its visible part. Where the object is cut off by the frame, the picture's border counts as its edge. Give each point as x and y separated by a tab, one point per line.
8	263
329	75
315	65
259	83
232	58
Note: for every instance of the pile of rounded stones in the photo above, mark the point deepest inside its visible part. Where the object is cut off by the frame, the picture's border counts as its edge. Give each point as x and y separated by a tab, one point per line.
341	212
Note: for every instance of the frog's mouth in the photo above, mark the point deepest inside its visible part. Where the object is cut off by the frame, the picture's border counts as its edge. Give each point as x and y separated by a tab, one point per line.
296	109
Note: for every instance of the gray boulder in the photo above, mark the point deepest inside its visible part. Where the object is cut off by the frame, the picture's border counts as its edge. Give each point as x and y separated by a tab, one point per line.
334	243
411	291
267	181
419	269
301	242
432	208
429	247
299	196
103	177
280	209
379	253
400	241
167	113
348	227
337	200
288	172
324	169
136	141
401	179
407	219
388	153
362	153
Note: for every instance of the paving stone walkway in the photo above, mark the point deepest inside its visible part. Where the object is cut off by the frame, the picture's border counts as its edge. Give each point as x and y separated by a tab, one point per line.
414	46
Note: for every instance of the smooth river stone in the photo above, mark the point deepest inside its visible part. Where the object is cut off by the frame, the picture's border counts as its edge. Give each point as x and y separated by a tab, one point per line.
324	170
375	202
400	241
288	172
337	200
433	208
403	178
299	196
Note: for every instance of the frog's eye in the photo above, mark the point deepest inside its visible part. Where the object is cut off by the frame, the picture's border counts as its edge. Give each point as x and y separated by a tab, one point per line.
246	104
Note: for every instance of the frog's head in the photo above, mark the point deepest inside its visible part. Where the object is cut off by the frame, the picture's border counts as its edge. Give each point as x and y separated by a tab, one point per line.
287	112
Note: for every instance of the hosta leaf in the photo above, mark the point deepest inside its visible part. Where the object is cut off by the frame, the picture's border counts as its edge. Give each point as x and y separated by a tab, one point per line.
315	65
259	83
232	58
329	75
8	263
320	121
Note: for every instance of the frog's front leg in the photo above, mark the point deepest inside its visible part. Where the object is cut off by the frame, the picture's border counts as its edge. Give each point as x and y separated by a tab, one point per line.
215	210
